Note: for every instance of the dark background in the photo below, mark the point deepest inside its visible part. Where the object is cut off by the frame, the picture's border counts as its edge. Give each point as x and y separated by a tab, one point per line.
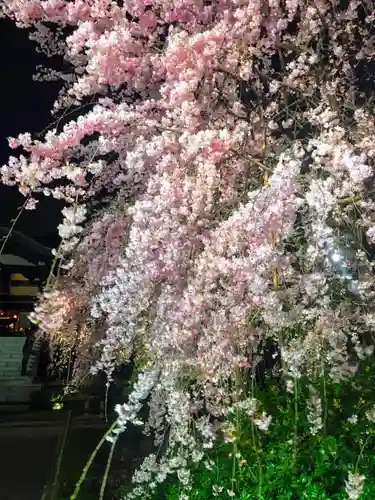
24	107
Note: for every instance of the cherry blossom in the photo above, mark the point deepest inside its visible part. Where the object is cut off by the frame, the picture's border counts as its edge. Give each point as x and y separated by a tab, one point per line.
222	153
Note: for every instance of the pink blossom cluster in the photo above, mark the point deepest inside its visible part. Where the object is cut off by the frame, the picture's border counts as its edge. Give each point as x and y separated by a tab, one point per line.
213	160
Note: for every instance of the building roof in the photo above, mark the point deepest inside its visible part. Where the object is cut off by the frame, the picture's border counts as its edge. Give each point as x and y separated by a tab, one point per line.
25	248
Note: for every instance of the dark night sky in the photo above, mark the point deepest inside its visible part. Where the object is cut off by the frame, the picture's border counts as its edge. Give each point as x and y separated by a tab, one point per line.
24	107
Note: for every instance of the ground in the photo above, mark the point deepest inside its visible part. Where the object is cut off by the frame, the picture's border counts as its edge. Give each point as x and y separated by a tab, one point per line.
26	456
29	448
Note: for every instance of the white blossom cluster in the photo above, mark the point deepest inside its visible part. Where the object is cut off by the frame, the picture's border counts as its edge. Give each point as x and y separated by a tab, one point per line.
231	184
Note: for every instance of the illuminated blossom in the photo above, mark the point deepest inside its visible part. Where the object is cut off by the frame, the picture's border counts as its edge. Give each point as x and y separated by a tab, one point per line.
208	192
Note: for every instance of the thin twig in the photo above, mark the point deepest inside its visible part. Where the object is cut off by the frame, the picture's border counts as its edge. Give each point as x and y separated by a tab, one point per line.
13	224
106	472
77	488
55	484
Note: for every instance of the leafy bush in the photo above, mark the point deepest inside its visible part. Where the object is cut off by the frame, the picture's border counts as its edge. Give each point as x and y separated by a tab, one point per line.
287	461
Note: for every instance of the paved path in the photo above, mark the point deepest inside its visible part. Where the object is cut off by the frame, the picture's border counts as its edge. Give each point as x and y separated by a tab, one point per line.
29	445
28	453
26	457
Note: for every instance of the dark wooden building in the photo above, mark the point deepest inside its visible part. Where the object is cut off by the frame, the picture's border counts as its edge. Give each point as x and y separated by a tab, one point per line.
24	267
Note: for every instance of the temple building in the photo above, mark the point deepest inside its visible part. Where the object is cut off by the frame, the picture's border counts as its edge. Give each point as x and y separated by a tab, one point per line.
24	268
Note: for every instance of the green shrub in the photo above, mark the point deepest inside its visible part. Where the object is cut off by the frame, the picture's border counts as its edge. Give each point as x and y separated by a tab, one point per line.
286	461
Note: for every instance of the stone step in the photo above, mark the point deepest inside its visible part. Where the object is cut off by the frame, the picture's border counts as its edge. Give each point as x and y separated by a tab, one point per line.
18	380
4	346
17	389
7	343
10	355
11	359
12	340
21	395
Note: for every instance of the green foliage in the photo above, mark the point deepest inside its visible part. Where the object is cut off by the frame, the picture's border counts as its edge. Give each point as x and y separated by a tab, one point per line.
57	401
287	462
